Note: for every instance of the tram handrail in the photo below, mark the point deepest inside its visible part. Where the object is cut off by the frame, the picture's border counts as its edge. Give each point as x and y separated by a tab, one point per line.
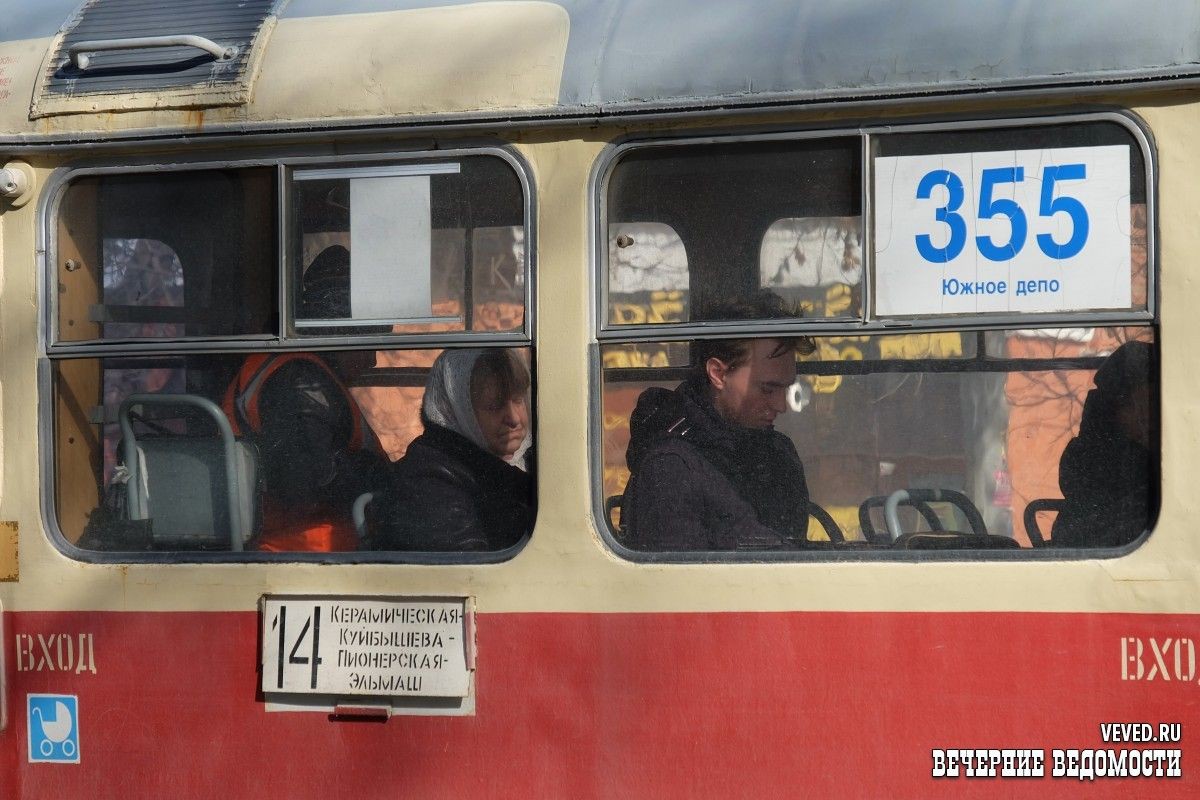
78	53
358	512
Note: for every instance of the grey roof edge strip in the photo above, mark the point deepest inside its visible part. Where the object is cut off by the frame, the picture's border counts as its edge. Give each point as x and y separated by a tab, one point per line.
914	97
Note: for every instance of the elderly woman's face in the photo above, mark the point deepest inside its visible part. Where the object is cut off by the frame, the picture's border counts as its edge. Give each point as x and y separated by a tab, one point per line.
503	420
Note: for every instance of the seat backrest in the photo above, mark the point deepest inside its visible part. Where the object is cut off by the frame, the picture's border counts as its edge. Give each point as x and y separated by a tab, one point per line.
1031	521
614	503
920	500
196	491
184	492
953	540
881	535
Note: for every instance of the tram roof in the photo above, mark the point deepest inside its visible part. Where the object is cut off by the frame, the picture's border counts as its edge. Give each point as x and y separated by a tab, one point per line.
322	63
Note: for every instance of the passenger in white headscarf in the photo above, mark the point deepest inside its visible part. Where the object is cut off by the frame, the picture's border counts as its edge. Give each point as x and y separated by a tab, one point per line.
483	396
465	483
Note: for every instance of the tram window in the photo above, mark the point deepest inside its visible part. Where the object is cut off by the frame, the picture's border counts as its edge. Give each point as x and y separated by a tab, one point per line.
330	430
187	419
397	233
985	437
166	256
1023	436
749	215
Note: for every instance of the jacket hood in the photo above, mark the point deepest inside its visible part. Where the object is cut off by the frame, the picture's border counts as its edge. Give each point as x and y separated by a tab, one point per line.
761	466
688	413
660	413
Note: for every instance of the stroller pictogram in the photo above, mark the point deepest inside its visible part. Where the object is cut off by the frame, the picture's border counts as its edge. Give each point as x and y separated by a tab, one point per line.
56	730
53	728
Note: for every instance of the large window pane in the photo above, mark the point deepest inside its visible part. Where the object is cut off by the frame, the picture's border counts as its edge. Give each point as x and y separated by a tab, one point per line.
271	452
1066	417
701	223
167	255
409	248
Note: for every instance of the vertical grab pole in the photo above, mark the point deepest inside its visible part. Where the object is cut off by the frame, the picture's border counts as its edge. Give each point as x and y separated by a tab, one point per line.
891	512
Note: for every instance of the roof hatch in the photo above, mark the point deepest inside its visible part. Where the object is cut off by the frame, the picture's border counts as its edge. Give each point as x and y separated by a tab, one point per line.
118	55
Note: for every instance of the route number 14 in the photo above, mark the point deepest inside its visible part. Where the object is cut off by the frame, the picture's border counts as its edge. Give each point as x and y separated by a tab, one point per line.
307	640
991	207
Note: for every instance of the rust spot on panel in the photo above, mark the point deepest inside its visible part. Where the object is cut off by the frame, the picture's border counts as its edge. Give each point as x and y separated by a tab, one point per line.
8	551
195	119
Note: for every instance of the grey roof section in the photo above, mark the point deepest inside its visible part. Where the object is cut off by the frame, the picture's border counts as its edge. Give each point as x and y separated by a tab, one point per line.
662	53
680	52
28	20
655	50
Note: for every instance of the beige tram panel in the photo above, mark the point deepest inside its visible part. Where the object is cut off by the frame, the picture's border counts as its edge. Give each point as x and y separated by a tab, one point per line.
469	58
566	566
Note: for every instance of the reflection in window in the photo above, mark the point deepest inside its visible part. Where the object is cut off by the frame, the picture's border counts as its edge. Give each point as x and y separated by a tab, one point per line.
648	274
498	275
816	261
142	272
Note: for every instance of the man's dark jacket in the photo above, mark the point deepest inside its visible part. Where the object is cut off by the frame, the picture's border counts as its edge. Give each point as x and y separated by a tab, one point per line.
697	483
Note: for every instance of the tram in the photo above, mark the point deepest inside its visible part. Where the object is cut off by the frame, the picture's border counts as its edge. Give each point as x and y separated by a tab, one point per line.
981	216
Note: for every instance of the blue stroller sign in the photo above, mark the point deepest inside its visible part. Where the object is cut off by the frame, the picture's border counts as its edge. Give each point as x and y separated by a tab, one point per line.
53	728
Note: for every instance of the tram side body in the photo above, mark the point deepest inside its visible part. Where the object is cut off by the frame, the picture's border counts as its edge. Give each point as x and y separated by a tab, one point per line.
598	676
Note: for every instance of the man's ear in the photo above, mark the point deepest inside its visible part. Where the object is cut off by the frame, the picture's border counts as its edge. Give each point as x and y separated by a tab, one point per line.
716	369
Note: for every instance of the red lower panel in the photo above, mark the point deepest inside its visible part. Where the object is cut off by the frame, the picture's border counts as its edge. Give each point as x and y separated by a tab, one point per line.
623	705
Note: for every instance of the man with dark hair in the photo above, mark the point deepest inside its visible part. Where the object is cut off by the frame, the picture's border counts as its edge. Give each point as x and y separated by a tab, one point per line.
708	471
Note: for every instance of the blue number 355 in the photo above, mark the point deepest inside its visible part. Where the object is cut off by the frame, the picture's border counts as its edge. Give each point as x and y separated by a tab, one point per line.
990	207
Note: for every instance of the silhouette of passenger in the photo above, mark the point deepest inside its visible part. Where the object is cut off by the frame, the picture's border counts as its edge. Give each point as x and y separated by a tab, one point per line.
316	451
1108	474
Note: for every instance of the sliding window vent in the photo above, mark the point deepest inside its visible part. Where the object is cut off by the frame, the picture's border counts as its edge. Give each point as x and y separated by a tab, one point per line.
117	55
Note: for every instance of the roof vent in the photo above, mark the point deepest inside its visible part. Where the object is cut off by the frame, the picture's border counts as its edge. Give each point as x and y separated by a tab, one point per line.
127	55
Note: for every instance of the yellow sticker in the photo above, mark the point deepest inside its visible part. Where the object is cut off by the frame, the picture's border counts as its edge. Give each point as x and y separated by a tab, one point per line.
8	551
